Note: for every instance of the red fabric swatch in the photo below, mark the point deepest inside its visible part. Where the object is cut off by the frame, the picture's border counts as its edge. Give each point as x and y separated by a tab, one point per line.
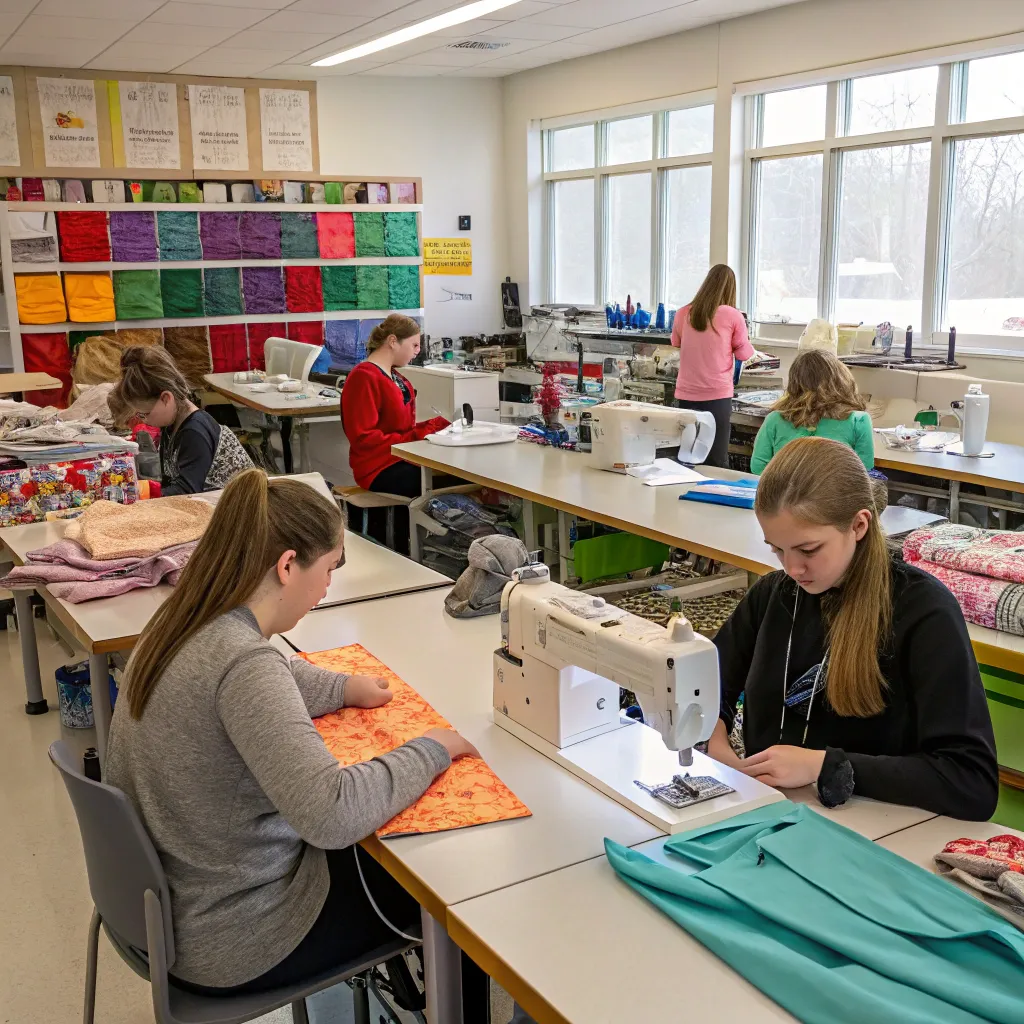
228	348
309	331
48	353
258	334
303	290
83	236
337	235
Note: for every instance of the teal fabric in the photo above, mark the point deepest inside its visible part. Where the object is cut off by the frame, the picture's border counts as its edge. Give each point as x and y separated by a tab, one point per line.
371	287
298	236
339	287
179	235
223	291
834	928
404	288
369	234
776	432
400	235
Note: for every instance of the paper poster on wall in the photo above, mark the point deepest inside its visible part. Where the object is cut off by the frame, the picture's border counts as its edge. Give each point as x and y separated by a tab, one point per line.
219	138
67	109
10	155
284	127
448	256
149	124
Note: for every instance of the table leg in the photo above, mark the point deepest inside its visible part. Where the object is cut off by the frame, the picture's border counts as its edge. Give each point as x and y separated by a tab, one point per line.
303	428
35	702
99	679
954	501
427	479
530	525
286	443
442	973
565	559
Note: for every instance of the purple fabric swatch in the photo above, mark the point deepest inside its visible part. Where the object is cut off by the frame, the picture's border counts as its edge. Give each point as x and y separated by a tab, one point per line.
133	237
263	289
219	235
261	235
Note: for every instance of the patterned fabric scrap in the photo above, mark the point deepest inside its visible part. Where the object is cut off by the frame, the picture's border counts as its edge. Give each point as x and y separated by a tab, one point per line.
83	236
137	295
263	288
372	287
260	235
369	234
303	289
299	236
179	235
223	291
336	233
403	288
90	298
220	237
342	341
400	235
339	287
182	292
133	237
228	348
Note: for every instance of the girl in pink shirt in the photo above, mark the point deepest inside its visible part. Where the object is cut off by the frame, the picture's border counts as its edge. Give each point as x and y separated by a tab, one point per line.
711	334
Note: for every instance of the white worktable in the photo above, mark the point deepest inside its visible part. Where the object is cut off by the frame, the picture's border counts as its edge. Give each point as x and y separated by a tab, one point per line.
920	843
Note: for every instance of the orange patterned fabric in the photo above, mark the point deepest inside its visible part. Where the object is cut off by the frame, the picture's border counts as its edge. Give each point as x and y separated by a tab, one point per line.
469	793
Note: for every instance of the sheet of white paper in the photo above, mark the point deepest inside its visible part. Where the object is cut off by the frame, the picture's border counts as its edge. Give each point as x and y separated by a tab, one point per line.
284	129
149	118
67	109
219	138
10	155
665	471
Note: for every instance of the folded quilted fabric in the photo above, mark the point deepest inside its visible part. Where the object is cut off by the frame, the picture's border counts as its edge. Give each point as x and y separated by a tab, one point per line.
258	334
309	332
995	553
107	530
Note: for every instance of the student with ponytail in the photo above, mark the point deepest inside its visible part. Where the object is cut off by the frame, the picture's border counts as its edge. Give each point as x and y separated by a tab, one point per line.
254	820
856	669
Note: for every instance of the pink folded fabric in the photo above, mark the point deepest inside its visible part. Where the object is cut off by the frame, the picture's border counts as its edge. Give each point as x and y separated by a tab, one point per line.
70	573
998	554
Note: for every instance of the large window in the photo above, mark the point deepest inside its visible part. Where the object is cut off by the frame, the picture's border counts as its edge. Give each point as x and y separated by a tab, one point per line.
892	197
629	207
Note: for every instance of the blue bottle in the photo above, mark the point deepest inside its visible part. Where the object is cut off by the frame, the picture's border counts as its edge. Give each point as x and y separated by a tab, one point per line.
617	320
671	319
659	319
609	315
634	320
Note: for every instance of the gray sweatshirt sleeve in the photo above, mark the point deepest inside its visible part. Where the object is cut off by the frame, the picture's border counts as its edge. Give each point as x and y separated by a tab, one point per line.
331	807
322	690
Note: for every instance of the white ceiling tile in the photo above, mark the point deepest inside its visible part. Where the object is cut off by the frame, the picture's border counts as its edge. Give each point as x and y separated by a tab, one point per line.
328	25
71	53
168	55
356	8
218	68
215	17
266	5
44	26
640	29
598	13
474	27
508	46
524	9
260	58
530	29
130	65
12	10
285	43
480	71
180	35
407	71
130	10
300	71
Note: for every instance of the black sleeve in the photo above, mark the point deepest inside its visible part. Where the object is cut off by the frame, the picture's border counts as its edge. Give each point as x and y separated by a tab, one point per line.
954	772
735	642
195	450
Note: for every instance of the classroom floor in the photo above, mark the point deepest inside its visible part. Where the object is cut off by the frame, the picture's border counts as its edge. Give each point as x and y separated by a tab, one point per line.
43	886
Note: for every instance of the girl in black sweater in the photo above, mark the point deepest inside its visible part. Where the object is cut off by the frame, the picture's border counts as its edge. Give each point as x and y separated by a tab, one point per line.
857	670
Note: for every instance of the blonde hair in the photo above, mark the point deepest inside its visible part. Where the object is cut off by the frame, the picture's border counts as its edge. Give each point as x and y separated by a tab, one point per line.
819	387
718	289
824	482
396	324
254	523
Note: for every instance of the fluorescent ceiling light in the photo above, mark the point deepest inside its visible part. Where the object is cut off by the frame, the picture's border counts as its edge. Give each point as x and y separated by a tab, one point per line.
422	28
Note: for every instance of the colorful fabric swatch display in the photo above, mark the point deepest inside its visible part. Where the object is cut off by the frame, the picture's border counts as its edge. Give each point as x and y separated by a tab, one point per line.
366	329
48	353
299	236
336	234
229	348
309	332
400	235
33	237
83	236
98	359
403	287
90	298
369	234
258	334
179	235
263	289
303	289
189	347
40	299
137	295
182	292
468	793
339	287
342	340
133	237
219	235
372	287
261	235
223	291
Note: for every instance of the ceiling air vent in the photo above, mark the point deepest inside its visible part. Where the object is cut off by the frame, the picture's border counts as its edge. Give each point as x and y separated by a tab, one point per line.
475	44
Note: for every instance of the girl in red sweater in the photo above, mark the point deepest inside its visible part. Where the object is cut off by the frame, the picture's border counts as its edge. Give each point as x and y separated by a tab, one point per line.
378	409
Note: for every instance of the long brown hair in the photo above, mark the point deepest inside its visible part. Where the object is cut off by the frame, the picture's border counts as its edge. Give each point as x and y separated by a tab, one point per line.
396	324
819	387
256	520
824	482
718	289
147	371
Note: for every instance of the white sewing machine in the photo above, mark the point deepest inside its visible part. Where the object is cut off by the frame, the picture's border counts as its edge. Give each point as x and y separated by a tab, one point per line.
557	677
625	434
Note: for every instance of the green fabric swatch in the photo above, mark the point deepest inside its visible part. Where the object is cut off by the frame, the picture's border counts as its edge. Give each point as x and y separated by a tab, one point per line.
223	291
298	236
339	284
372	287
400	235
137	295
369	234
182	292
333	191
403	287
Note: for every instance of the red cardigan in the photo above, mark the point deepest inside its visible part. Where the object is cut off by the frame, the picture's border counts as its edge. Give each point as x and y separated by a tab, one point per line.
375	416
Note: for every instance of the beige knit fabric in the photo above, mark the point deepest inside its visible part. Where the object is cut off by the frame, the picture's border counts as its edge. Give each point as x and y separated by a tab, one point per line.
108	530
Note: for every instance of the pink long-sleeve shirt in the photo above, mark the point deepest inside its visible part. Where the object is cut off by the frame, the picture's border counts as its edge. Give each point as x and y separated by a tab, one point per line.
706	358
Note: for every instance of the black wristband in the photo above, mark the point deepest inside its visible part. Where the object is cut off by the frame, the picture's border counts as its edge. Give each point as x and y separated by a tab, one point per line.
835	780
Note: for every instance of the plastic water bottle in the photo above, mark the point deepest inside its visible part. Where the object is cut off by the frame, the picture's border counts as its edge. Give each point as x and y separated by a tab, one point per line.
976	404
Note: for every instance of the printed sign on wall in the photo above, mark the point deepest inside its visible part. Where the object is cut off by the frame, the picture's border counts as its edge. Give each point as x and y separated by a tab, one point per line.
67	108
10	156
219	138
448	256
149	124
284	127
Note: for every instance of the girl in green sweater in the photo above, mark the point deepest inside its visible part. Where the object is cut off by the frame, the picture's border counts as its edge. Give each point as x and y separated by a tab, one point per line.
822	400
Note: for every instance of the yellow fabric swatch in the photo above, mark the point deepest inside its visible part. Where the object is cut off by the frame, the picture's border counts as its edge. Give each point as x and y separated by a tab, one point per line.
40	299
90	298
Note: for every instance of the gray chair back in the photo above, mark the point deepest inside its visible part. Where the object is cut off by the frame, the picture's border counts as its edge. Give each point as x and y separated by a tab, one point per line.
119	856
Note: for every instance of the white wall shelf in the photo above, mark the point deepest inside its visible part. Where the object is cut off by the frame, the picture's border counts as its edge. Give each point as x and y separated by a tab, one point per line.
43	207
351	261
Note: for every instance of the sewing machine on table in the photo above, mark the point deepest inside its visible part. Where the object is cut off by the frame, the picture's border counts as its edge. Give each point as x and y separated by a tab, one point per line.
627	434
557	676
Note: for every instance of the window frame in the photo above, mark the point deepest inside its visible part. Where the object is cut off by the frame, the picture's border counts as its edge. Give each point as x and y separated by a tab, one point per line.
941	136
658	166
